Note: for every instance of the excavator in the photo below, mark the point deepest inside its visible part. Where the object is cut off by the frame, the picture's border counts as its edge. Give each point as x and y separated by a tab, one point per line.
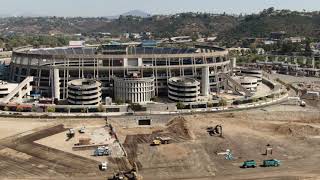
215	130
129	175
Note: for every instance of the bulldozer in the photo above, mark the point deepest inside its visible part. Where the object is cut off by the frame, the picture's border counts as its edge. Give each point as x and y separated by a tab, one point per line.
160	140
213	131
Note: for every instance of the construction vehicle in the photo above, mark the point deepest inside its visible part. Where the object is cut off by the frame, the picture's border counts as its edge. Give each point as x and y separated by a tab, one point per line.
302	103
70	133
271	163
215	130
160	140
227	154
102	151
82	130
130	175
103	166
249	164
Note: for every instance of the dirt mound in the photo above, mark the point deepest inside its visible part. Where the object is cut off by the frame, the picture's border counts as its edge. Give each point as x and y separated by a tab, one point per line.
297	130
178	127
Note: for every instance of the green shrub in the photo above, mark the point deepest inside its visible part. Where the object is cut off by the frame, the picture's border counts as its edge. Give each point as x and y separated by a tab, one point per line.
263	98
51	109
255	99
236	102
136	107
118	101
34	109
155	99
19	109
180	105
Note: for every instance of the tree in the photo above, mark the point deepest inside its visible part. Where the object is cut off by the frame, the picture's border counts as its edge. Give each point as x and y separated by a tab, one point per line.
135	107
101	108
308	50
51	109
223	102
119	101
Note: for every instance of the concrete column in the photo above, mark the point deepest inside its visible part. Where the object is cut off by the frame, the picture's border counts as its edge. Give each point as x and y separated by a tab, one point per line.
313	63
140	62
19	75
205	81
125	62
304	60
234	62
56	84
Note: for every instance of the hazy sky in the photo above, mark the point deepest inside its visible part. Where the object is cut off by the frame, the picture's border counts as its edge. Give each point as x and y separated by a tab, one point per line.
115	7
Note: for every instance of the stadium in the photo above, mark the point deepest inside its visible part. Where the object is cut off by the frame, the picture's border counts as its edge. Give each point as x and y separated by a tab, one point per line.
131	73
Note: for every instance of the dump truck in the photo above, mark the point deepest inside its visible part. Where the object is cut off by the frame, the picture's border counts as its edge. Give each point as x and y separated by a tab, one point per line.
102	151
160	140
249	164
271	163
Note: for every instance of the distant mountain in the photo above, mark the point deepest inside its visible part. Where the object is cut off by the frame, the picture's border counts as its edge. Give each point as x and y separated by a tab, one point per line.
137	13
4	15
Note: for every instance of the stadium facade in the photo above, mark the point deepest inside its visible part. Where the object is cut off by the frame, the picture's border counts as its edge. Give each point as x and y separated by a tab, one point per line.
53	68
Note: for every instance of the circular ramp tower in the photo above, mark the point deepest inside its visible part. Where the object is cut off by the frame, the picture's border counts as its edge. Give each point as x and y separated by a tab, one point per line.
84	92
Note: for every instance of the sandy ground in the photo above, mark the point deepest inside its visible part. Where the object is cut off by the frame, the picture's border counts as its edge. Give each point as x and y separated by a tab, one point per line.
11	126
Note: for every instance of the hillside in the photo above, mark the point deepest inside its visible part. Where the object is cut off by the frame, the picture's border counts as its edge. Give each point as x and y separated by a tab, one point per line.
186	23
260	25
228	28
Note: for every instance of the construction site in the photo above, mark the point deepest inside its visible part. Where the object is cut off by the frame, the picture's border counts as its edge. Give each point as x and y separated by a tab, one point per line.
195	146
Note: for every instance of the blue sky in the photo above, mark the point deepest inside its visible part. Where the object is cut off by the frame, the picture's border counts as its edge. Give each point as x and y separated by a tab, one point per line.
115	7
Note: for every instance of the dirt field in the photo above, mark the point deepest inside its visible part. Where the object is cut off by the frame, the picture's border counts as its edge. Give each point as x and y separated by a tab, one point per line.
294	136
36	149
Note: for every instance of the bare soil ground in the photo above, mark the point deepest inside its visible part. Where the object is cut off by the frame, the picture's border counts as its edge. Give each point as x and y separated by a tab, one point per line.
294	136
22	157
36	149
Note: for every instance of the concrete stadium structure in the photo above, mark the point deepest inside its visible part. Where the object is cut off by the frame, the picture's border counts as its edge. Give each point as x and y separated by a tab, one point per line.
182	89
248	82
6	88
134	89
53	68
84	92
257	73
